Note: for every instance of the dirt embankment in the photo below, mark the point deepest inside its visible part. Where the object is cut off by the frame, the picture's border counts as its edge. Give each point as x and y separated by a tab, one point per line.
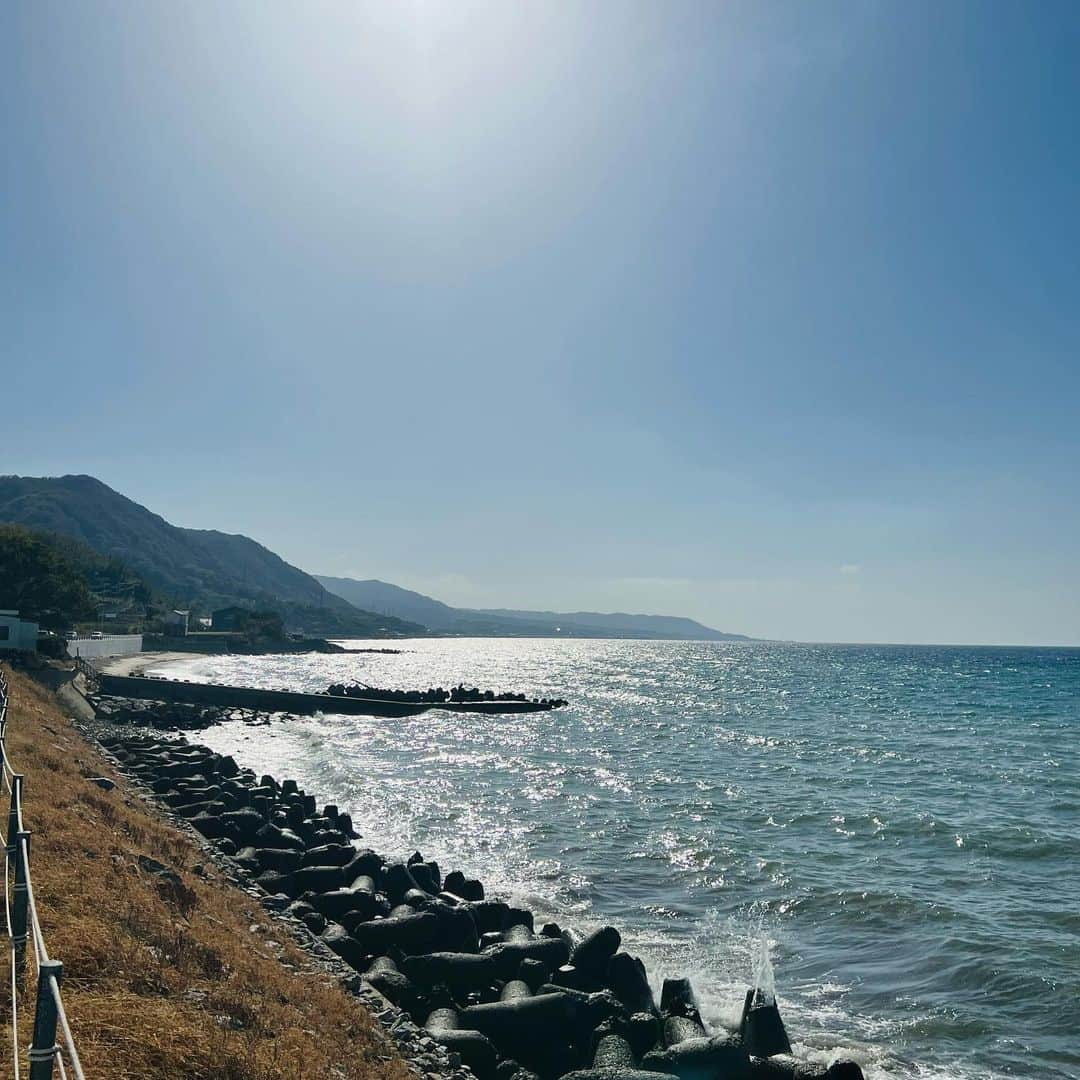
170	972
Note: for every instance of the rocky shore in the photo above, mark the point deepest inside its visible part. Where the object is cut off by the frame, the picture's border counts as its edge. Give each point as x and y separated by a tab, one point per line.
462	979
169	716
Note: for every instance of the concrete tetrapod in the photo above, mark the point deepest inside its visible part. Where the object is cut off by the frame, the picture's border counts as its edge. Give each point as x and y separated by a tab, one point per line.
458	972
535	1031
627	979
526	1001
444	1026
593	953
614	1060
761	1029
786	1067
520	943
689	1052
392	984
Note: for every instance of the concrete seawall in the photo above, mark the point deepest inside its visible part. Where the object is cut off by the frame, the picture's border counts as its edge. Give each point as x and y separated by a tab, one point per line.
111	645
289	701
249	697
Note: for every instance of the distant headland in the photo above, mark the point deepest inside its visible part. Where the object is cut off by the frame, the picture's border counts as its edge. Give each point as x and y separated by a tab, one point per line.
134	568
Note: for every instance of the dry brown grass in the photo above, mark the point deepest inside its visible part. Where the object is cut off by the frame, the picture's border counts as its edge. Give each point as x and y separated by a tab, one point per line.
161	984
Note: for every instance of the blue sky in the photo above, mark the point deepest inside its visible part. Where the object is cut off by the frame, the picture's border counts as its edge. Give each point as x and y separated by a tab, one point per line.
763	313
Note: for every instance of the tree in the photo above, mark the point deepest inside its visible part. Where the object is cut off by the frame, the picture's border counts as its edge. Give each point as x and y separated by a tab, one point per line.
39	581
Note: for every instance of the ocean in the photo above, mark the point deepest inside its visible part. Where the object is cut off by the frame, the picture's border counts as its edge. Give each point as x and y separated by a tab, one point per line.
898	826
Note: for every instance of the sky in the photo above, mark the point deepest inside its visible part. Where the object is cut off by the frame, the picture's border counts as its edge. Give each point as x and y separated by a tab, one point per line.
762	313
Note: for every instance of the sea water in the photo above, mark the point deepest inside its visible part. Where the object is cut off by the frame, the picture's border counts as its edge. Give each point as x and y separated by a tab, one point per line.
889	835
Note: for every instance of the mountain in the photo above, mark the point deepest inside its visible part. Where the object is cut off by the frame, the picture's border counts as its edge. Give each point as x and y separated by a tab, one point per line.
406	604
201	568
392	599
619	624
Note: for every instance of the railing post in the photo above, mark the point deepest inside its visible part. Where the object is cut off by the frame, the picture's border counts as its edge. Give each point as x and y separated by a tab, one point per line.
13	813
43	1049
20	899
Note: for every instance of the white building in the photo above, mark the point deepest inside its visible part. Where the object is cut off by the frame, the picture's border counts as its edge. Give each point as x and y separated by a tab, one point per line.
16	633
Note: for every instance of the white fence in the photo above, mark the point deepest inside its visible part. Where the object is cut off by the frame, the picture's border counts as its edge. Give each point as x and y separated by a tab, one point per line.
113	645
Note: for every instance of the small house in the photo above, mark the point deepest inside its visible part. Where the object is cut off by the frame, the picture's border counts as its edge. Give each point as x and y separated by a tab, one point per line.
230	618
17	634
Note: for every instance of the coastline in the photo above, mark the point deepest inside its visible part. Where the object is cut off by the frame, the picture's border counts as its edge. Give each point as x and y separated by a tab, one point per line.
141	662
118	875
416	801
392	921
475	974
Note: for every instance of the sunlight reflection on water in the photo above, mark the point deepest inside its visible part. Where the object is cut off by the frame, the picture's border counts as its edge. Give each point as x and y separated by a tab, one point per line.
896	820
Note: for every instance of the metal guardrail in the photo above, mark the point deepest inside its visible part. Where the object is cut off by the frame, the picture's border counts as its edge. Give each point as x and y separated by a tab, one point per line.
23	927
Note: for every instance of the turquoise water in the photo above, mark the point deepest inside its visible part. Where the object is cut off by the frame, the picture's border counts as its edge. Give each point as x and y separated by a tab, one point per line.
902	824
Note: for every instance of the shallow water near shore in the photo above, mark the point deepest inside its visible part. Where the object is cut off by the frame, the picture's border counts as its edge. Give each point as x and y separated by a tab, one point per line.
902	823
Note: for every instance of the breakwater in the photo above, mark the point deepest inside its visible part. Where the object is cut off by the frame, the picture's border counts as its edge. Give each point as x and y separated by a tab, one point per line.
511	999
267	700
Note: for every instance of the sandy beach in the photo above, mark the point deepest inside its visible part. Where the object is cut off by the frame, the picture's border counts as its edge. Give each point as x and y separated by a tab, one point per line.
140	662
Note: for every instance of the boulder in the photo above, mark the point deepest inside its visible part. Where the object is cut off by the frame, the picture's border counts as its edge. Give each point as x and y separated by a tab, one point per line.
339	904
273	881
244	824
614	1060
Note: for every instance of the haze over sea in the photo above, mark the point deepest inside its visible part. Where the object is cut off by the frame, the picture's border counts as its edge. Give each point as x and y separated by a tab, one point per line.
902	823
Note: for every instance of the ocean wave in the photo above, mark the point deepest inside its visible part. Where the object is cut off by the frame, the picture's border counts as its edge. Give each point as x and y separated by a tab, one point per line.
900	823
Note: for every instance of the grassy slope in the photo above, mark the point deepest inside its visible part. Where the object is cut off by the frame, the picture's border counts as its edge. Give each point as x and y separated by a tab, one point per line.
158	987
